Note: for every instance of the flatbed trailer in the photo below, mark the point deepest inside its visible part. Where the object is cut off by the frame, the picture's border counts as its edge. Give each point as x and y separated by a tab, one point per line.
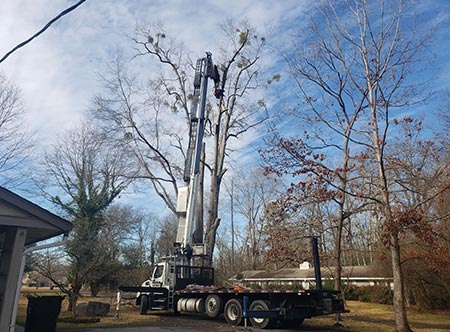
262	307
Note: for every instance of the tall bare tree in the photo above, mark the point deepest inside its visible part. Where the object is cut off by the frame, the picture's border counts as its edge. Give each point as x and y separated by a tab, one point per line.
387	53
155	120
15	142
235	113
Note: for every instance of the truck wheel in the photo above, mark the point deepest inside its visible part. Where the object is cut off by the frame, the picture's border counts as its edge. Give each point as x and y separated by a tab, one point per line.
260	323
233	312
143	307
213	306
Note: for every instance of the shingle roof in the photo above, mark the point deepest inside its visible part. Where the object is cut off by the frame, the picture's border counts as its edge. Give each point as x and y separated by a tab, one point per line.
40	223
348	272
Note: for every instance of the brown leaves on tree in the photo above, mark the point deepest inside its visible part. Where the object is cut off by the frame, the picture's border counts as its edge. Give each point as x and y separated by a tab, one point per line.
407	221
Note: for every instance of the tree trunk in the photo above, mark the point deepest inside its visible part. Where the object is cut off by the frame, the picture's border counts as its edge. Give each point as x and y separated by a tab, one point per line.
210	239
338	263
213	220
95	288
221	128
73	294
401	321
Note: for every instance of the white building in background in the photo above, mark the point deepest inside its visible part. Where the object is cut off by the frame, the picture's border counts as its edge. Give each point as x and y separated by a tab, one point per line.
303	277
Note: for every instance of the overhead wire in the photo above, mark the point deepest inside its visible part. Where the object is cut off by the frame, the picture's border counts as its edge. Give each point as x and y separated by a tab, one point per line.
56	18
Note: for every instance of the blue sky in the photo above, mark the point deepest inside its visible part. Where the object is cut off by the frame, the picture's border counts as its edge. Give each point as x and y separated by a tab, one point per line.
58	72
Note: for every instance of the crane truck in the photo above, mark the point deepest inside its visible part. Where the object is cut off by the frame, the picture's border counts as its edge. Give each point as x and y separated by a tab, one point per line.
182	282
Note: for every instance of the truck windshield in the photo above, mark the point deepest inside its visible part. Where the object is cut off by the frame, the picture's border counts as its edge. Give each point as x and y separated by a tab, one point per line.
158	271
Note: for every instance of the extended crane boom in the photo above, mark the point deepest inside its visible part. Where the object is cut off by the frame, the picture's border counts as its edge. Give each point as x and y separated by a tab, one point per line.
187	196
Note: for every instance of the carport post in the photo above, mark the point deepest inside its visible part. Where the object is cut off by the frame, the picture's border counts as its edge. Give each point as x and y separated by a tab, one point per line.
10	266
12	324
119	299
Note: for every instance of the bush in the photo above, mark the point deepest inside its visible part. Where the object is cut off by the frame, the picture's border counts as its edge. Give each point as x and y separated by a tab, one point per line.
427	285
329	284
373	294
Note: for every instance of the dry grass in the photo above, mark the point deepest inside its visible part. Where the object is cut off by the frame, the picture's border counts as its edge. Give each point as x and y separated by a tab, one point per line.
129	314
363	317
370	317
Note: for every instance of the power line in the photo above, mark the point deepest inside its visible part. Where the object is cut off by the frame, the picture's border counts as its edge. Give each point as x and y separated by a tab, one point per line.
64	12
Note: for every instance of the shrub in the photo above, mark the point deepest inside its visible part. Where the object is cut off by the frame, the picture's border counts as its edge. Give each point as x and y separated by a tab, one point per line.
374	294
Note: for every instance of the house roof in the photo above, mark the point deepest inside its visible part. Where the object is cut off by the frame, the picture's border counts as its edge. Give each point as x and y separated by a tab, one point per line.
41	224
348	272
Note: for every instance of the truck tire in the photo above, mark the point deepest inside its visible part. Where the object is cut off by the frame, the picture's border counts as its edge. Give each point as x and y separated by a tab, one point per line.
213	306
260	323
233	312
143	307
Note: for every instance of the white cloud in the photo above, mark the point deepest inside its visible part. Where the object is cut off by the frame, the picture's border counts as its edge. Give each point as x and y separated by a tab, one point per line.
58	71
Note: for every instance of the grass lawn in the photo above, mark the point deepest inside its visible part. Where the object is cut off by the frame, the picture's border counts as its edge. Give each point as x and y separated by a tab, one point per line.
363	317
370	317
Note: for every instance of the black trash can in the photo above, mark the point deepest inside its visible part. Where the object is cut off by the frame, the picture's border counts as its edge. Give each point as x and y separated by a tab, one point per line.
43	312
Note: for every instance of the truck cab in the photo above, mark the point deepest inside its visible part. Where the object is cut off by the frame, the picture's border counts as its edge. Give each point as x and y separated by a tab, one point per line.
160	276
168	276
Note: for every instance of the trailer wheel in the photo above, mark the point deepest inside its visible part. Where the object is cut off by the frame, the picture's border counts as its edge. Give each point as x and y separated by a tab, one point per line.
233	312
260	323
143	307
213	306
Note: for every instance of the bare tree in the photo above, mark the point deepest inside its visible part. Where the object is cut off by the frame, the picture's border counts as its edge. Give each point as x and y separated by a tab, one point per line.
444	116
387	50
155	121
253	195
234	114
148	121
322	70
15	142
167	236
126	235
